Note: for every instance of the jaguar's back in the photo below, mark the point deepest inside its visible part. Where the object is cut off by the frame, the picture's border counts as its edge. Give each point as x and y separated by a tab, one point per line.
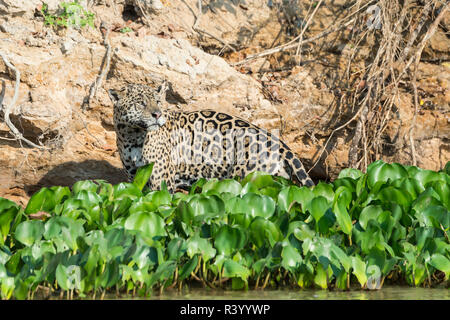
209	144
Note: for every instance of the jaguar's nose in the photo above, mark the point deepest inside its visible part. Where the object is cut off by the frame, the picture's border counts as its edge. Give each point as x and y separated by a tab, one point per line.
156	114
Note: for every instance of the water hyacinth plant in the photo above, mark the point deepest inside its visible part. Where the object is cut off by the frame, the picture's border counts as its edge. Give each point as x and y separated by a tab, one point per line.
390	224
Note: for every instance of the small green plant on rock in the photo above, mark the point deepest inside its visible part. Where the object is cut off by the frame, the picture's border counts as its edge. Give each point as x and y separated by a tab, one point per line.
126	30
70	14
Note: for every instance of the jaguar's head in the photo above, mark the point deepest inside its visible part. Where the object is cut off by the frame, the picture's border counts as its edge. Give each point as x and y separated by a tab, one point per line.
139	106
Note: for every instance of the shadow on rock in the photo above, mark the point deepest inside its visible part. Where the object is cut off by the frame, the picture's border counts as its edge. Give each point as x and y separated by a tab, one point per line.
66	174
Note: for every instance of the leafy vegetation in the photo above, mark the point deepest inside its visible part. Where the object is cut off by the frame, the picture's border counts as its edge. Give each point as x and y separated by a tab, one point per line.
70	14
126	30
391	223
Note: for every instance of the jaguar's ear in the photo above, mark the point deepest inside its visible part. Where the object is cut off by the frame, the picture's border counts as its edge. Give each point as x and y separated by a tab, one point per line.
163	87
114	95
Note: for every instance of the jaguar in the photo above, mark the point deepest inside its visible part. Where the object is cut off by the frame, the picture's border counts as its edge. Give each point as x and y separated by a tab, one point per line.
187	146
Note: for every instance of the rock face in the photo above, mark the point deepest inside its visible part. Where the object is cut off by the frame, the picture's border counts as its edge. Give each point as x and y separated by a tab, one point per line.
18	7
146	6
58	67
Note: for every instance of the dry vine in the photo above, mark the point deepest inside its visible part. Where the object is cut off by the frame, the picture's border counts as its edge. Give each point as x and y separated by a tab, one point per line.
7	110
298	41
103	69
384	76
375	89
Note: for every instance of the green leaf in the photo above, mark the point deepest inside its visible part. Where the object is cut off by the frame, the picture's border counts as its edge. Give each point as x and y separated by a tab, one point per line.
143	175
412	186
345	182
65	229
350	173
227	185
7	287
392	194
259	205
201	246
201	205
126	190
341	202
443	190
262	230
300	230
341	280
359	270
380	171
447	168
87	185
259	179
110	275
68	277
325	190
427	176
28	232
150	224
370	212
233	269
291	258
292	194
43	200
164	271
229	239
320	278
142	204
188	267
237	283
6	219
88	198
339	255
60	194
242	219
159	198
317	207
434	216
440	262
176	248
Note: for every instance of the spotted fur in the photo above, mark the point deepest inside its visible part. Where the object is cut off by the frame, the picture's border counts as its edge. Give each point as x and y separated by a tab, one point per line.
187	146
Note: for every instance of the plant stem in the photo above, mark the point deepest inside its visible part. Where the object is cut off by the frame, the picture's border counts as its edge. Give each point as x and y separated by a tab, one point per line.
257	281
266	280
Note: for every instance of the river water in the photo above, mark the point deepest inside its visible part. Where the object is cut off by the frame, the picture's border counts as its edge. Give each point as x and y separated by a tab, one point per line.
386	293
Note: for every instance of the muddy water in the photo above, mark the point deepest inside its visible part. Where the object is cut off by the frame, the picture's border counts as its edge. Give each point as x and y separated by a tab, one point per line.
387	293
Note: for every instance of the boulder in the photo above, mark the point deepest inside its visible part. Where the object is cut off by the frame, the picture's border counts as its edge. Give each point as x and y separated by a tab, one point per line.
19	7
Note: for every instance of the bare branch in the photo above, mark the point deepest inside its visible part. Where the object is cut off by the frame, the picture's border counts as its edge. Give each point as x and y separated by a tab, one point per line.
7	110
339	25
300	40
103	69
291	45
198	30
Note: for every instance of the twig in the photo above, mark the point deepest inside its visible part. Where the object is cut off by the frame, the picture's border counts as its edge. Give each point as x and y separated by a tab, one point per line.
103	69
417	56
9	108
425	39
300	41
331	135
413	122
198	30
2	95
146	18
425	12
266	281
291	45
87	129
174	280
